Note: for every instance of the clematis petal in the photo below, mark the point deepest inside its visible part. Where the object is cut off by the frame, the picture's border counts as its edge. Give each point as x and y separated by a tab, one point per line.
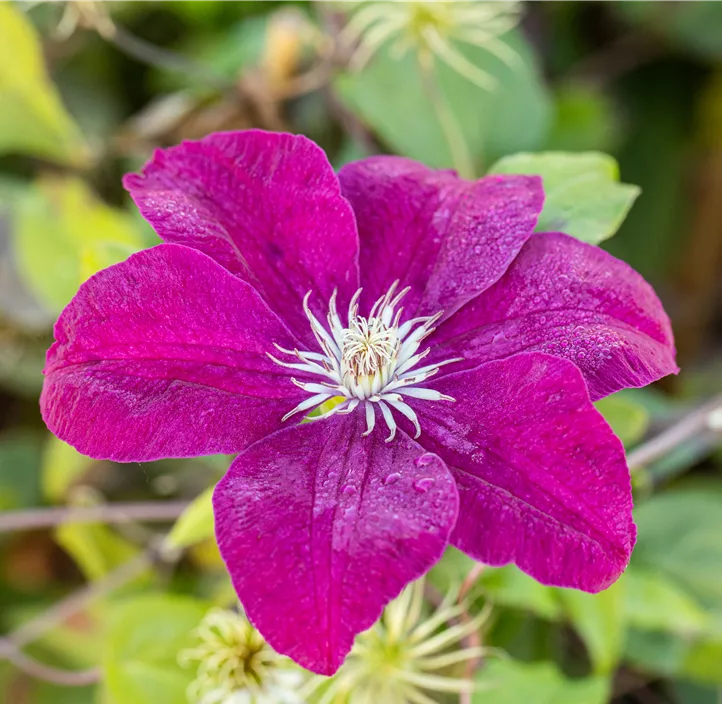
321	527
572	300
447	238
164	355
542	478
266	206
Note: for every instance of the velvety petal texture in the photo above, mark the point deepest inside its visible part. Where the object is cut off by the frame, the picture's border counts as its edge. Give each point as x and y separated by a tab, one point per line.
164	355
542	478
320	528
573	300
447	238
266	206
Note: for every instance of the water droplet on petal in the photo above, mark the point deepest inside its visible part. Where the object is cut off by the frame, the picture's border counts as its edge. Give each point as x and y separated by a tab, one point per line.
424	484
423	460
392	478
348	490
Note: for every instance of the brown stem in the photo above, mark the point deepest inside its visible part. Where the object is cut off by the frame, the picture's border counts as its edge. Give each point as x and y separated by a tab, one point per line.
70	605
39	671
11	645
623	55
470	580
35	518
474	640
691	425
147	53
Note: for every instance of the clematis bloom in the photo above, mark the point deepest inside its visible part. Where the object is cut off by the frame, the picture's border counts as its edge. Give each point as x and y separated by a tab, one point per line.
453	354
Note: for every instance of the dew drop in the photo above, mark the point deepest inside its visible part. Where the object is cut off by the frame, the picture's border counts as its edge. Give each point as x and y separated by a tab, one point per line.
392	478
423	460
348	490
424	484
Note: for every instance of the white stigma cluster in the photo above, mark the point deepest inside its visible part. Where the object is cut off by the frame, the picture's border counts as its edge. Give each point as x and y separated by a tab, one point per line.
371	361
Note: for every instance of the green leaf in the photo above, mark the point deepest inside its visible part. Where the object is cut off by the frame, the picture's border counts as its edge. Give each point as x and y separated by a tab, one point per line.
696	26
655	651
584	198
585	118
32	117
678	535
509	586
702	661
389	96
689	693
629	420
95	547
656	604
63	234
510	682
62	465
672	655
600	620
45	693
19	462
144	638
195	524
656	231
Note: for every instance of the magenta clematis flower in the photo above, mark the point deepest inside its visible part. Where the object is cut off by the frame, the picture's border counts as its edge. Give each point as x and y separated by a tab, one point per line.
461	351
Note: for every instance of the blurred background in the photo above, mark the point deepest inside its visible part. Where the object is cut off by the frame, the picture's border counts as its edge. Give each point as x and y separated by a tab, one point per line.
88	89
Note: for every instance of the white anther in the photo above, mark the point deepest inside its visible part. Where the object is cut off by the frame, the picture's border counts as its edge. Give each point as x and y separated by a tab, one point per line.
370	363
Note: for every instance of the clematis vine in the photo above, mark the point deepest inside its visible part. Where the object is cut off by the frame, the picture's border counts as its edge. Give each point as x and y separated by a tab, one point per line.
400	362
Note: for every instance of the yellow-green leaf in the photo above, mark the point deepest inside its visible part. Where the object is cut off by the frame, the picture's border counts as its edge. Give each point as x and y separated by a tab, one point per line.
629	420
600	620
63	234
507	681
655	603
32	117
95	548
62	465
145	635
584	197
195	523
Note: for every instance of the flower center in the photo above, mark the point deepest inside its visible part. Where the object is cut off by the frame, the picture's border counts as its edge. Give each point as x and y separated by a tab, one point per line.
372	361
233	659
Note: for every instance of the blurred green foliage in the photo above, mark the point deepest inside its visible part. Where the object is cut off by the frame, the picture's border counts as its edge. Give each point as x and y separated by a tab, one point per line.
640	80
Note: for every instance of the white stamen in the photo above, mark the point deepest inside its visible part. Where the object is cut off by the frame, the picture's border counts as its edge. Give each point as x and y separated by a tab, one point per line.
390	422
316	400
370	363
370	417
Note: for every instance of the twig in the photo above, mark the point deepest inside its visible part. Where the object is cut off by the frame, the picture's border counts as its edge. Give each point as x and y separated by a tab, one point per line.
105	513
474	640
696	422
39	671
65	608
147	53
11	645
470	580
623	55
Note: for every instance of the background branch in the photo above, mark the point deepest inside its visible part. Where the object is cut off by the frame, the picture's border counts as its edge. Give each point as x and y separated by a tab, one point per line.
29	519
12	644
698	421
